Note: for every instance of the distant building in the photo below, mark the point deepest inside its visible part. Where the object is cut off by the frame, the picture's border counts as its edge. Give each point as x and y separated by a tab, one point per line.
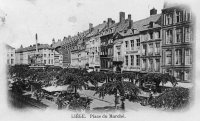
27	55
10	55
177	46
93	46
151	41
58	56
66	46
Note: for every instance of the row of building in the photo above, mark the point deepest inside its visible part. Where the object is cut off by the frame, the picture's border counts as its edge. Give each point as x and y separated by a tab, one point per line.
46	55
160	43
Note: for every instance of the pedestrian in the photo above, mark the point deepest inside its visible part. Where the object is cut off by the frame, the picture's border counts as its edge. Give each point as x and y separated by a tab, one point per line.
117	100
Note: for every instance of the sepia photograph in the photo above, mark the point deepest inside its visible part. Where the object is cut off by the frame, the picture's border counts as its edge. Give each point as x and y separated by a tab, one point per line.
99	59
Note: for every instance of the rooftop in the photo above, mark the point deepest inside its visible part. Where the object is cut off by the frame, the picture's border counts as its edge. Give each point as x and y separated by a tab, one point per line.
33	47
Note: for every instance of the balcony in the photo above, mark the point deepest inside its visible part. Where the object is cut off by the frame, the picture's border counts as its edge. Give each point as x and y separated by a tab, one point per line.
119	58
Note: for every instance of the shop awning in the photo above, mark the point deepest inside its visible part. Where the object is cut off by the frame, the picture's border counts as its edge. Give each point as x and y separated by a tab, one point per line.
56	88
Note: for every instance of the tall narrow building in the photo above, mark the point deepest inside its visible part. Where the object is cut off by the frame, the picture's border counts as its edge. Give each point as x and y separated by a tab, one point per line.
177	49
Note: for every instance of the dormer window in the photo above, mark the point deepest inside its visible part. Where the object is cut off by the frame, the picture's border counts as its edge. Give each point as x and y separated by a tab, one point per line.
151	24
125	31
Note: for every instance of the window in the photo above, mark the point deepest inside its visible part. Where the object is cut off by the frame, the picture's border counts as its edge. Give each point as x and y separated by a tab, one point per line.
132	60
144	50
178	56
168	19
45	55
145	36
51	61
144	64
138	60
126	60
157	35
11	55
118	53
132	44
188	15
169	37
45	61
178	16
126	42
177	75
150	48
12	61
150	64
178	35
188	58
157	65
138	42
187	34
157	49
151	35
187	76
168	57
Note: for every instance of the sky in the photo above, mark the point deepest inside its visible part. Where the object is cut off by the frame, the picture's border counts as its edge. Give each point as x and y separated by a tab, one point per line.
59	18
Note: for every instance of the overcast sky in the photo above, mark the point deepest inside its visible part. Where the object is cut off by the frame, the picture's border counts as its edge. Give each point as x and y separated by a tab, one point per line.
59	18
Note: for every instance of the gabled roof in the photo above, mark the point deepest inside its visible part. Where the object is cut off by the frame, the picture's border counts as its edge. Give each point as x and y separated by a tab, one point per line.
97	29
31	48
9	47
57	44
143	24
122	26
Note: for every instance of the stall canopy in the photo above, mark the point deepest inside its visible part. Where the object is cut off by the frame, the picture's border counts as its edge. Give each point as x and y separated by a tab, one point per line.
56	88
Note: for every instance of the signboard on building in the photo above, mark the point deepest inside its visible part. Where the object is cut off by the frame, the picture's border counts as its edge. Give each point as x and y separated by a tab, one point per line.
131	52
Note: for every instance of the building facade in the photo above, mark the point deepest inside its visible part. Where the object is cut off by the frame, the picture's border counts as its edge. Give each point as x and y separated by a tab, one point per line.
177	47
26	55
10	55
151	41
93	46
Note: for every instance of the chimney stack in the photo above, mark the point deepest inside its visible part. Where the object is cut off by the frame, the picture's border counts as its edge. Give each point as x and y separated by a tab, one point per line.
153	11
130	22
109	22
122	17
90	27
53	41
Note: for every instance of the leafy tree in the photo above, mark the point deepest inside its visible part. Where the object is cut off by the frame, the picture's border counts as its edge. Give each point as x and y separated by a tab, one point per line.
74	81
118	86
155	79
172	98
129	75
18	72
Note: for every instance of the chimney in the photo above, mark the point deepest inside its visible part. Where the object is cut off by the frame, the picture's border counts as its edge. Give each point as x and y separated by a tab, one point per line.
109	21
153	11
130	22
121	17
90	27
53	41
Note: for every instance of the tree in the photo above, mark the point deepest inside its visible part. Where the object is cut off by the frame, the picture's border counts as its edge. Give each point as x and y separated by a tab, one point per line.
118	86
172	98
74	81
155	79
18	72
129	75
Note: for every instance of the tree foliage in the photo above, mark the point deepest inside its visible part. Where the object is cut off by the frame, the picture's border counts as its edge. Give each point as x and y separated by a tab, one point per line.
172	98
156	79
